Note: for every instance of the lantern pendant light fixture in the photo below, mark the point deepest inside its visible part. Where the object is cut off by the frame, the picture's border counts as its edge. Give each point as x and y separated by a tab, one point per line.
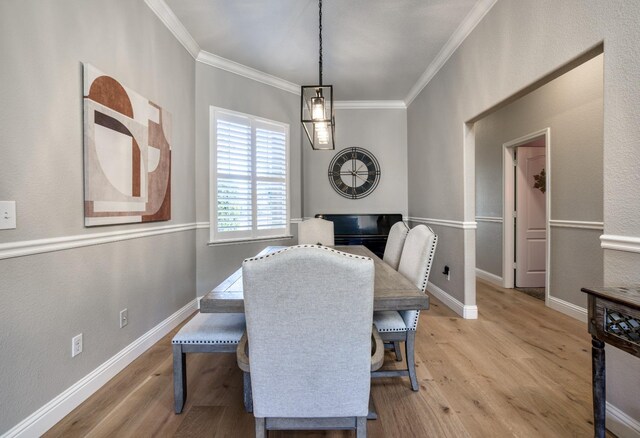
316	107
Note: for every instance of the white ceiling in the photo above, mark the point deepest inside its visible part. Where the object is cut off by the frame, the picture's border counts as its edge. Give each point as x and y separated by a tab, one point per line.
372	49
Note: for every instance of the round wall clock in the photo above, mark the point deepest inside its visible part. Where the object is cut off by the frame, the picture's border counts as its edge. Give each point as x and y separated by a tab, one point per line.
354	173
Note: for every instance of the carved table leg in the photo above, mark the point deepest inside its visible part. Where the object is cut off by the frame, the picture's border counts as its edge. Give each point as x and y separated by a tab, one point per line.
599	387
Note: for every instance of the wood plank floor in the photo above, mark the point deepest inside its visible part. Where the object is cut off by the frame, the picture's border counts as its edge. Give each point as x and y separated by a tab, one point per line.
521	370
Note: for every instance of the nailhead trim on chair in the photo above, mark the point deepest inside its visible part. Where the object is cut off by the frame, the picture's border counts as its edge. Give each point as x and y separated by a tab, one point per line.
426	276
205	342
308	246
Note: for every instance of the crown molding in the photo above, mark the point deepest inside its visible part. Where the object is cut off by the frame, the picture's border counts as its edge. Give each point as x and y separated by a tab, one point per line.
459	35
248	72
167	16
369	104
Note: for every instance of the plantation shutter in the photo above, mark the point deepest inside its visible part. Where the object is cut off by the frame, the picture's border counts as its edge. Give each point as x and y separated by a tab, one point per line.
250	184
271	179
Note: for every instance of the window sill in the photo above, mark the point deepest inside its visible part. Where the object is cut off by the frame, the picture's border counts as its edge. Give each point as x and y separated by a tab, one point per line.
250	240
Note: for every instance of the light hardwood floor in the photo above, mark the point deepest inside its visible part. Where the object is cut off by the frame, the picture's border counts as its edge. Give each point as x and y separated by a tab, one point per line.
521	370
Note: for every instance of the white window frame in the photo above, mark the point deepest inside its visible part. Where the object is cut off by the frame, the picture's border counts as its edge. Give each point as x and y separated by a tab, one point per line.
254	234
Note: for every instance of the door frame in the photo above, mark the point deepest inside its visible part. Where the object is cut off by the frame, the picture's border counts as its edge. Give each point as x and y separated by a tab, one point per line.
508	207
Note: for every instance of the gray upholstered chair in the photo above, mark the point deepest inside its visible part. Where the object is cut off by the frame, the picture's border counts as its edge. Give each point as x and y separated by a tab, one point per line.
395	243
204	333
309	316
316	231
400	326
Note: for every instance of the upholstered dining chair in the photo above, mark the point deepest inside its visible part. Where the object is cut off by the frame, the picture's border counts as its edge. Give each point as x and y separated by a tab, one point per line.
395	243
309	316
316	231
400	326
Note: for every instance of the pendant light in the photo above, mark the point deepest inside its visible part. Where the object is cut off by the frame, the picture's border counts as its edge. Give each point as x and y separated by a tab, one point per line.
316	107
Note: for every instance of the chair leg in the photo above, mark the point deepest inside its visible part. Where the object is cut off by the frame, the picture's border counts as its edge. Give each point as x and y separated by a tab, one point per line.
411	364
247	394
179	377
361	427
398	351
261	427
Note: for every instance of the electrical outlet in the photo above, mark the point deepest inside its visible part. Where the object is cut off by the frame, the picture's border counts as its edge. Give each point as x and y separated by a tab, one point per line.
447	272
124	317
76	345
7	215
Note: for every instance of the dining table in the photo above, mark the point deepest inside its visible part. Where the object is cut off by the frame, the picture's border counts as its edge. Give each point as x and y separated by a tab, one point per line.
392	290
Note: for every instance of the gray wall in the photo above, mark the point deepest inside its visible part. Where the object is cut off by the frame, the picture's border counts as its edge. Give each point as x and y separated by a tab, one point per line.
571	106
220	88
48	298
383	132
515	44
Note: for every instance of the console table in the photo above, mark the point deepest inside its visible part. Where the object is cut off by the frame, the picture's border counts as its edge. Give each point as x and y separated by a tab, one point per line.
614	318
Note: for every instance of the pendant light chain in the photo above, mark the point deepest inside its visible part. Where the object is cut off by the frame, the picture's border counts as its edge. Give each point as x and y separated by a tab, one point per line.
320	27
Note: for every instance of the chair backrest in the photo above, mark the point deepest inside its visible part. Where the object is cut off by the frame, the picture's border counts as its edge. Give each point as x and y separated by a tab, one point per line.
309	311
415	264
395	243
314	231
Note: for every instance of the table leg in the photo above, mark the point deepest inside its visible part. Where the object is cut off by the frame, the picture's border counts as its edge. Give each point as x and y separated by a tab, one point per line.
599	387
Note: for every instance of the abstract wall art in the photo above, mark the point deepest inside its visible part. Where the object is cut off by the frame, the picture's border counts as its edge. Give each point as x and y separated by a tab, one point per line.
127	154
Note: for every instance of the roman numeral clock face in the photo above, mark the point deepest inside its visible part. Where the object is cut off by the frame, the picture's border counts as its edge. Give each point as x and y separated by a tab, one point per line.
354	173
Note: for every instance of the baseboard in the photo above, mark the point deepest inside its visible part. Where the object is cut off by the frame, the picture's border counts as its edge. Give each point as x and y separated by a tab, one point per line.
577	312
621	424
488	276
48	415
466	311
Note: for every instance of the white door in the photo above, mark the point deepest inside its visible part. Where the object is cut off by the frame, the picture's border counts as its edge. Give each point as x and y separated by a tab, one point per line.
531	234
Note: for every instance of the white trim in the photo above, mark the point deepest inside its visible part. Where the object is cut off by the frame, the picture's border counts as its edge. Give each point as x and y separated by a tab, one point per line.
249	240
296	220
570	309
488	276
459	35
247	72
55	410
169	19
202	225
39	246
444	223
369	104
621	424
620	243
466	311
508	207
489	219
583	225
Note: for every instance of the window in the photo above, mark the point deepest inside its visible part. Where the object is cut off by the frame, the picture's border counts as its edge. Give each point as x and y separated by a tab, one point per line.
249	177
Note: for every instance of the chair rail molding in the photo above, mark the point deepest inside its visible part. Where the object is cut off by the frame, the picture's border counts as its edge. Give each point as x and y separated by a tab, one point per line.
466	311
55	410
585	225
444	222
495	219
39	246
620	243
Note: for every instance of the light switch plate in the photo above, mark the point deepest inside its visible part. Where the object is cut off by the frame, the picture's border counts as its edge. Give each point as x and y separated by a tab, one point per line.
7	215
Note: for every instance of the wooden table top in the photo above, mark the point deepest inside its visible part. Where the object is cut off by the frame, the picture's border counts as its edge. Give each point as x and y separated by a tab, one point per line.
628	296
392	290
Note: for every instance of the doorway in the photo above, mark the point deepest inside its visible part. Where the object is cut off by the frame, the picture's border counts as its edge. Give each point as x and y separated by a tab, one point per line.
526	213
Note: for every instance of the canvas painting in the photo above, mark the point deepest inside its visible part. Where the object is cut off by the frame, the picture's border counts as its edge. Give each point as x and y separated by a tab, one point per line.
127	154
